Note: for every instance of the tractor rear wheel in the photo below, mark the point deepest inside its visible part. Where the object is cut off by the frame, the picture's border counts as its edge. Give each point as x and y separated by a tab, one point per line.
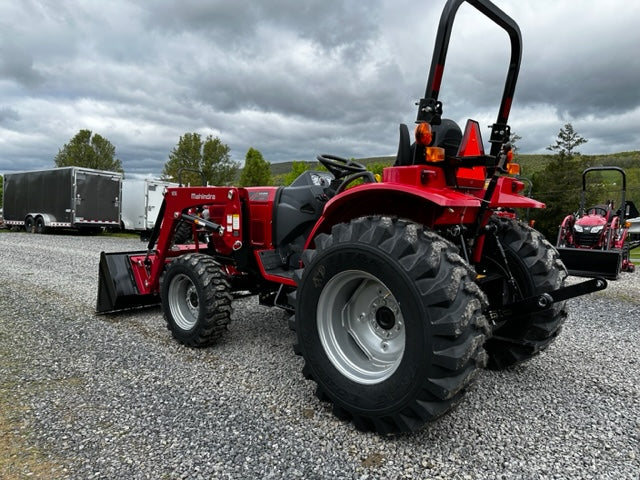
536	269
183	233
389	322
196	299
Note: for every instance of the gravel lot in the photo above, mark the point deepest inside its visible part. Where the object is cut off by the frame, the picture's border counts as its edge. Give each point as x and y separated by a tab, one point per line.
105	397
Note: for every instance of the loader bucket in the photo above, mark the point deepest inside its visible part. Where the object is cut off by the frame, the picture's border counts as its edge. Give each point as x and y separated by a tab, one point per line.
117	289
584	262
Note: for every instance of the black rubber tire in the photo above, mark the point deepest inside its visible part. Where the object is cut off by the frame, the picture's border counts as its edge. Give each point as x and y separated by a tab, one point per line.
440	312
183	233
40	227
537	269
29	224
196	299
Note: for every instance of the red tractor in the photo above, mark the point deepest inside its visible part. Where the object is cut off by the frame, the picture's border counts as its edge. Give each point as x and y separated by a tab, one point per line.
399	290
595	240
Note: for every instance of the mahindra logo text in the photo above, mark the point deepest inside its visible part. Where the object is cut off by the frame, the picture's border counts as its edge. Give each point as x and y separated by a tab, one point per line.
203	196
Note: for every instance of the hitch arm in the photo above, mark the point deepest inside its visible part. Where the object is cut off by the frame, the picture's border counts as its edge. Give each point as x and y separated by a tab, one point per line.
545	301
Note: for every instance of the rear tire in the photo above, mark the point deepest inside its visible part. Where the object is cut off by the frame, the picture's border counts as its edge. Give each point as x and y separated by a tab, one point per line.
183	233
537	269
195	299
389	322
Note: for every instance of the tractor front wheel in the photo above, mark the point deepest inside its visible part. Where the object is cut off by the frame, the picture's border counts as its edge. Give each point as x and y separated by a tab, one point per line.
389	322
196	299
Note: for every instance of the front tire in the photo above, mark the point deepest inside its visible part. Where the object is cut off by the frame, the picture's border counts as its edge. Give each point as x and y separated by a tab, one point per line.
536	269
389	322
196	299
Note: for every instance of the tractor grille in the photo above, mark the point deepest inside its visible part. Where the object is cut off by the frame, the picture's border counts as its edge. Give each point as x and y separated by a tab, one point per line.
587	239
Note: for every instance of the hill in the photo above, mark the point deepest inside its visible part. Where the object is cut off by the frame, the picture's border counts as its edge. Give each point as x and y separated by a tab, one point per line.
529	163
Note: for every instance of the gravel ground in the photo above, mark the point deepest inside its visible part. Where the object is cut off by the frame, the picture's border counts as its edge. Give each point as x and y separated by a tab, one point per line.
105	397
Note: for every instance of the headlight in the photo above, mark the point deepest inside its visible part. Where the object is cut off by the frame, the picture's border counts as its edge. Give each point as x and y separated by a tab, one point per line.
597	229
577	228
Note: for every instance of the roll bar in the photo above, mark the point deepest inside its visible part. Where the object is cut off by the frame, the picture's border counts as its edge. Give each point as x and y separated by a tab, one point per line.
430	109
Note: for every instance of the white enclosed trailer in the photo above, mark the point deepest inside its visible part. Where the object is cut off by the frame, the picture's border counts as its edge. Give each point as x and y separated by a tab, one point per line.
141	200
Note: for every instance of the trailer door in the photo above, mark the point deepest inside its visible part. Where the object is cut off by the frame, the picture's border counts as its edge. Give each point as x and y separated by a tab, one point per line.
155	195
97	198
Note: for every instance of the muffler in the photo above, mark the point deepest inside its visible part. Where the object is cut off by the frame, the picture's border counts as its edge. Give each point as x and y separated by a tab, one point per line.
117	288
584	262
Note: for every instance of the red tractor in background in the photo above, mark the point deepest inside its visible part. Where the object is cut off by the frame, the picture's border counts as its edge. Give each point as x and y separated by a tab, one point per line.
399	290
595	241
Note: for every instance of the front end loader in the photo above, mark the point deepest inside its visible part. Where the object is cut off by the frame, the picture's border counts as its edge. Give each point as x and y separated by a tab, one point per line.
400	290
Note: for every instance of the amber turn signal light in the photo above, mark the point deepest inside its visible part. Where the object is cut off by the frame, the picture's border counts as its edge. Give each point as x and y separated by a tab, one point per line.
434	154
513	169
423	134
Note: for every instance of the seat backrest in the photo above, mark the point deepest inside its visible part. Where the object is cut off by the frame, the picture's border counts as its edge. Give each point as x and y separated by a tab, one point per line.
404	156
448	136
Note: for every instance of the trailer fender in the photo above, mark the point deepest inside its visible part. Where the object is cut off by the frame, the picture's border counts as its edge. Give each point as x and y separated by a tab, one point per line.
426	207
47	218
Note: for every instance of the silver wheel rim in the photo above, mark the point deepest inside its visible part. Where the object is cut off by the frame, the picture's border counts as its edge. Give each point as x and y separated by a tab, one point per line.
361	327
183	302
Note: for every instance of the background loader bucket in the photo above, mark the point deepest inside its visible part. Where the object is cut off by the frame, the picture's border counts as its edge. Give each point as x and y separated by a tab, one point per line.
584	262
117	289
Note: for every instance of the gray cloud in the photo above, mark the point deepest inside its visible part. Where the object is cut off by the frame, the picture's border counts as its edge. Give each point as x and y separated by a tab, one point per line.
294	79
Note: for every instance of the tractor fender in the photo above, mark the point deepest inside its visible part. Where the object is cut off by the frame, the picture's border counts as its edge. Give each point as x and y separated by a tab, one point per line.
427	207
568	221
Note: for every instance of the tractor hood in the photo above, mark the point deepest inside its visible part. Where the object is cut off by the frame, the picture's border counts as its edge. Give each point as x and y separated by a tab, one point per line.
592	220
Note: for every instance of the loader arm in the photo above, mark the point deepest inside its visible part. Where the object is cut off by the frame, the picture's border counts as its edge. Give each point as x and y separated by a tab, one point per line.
131	279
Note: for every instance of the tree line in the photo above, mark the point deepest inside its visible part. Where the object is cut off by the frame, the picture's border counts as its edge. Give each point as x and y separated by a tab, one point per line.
558	184
191	161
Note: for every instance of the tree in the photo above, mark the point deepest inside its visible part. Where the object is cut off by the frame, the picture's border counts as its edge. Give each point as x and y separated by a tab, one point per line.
513	140
560	183
1	196
210	157
256	171
89	151
566	143
297	169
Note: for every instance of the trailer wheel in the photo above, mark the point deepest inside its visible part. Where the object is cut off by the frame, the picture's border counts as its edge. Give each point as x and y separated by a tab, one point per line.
195	299
389	322
537	269
40	227
29	224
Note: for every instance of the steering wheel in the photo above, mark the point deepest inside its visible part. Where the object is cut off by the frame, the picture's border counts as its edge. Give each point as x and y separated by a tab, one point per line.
340	167
598	211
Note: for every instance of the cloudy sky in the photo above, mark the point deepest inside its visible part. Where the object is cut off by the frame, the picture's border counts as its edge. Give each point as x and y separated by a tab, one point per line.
297	78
